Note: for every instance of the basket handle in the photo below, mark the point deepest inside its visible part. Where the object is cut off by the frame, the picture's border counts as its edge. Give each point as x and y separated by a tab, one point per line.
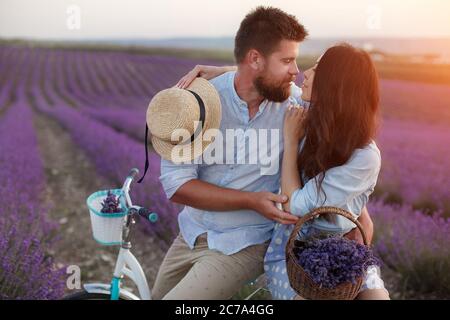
319	211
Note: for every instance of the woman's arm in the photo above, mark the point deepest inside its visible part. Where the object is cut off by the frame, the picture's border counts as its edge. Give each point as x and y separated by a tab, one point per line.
290	177
293	132
206	72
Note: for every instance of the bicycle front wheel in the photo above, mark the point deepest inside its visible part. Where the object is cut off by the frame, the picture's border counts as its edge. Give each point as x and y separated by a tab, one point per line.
84	295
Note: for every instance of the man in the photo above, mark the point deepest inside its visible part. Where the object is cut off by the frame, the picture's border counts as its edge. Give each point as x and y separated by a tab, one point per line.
230	209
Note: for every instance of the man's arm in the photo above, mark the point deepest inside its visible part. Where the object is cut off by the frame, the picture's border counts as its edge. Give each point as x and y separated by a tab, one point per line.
181	185
206	196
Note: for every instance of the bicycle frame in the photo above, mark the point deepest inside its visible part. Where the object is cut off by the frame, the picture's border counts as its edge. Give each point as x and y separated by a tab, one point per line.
126	265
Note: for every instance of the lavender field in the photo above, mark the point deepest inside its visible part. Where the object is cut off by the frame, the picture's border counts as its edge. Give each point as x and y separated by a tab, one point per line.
73	121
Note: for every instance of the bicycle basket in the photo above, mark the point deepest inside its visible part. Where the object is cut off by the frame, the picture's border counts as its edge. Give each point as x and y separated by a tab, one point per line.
106	227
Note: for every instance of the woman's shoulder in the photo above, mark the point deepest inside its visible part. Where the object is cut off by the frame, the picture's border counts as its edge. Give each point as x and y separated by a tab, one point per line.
370	155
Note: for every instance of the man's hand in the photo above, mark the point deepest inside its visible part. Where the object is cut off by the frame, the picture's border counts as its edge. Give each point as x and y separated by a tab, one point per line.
367	224
265	204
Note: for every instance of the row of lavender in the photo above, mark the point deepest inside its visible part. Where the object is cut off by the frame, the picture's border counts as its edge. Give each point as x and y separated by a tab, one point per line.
26	233
415	171
415	246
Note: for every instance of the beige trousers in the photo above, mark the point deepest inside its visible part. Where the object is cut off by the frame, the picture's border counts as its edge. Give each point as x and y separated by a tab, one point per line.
202	273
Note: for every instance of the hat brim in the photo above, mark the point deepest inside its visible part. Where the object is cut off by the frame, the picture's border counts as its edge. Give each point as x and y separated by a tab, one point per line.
213	117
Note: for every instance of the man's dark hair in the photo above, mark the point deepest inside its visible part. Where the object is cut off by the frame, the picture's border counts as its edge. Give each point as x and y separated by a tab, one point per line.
263	29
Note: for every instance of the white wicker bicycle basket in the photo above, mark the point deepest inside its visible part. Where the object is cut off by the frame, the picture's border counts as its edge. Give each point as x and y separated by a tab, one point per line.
106	227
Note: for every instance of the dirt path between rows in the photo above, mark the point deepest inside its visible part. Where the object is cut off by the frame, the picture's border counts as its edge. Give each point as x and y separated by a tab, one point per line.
71	178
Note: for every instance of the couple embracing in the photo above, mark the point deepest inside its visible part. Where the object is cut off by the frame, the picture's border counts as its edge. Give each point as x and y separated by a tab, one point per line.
237	219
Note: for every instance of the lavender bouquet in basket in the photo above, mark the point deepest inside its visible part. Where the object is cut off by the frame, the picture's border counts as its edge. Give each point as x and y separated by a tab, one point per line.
333	260
111	204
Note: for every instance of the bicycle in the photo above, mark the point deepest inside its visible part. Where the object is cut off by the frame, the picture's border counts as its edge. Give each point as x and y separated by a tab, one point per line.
126	263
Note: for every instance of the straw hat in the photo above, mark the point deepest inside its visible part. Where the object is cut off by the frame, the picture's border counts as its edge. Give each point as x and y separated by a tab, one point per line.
195	109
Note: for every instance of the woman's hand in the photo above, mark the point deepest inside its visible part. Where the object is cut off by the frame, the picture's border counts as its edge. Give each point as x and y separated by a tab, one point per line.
367	225
206	72
294	129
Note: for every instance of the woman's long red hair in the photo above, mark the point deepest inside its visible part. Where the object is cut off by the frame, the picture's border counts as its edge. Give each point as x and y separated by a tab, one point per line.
343	111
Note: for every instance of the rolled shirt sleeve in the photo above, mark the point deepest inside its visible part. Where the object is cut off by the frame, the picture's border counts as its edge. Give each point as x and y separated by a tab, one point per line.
347	187
173	176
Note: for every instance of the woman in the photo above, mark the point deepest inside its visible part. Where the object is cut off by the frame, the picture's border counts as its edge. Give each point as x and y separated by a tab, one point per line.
330	158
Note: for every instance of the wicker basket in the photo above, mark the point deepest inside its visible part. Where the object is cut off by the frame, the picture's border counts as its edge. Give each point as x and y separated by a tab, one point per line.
299	279
106	227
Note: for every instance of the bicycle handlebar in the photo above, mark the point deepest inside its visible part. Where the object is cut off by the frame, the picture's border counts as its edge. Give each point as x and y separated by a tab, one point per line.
143	212
126	185
133	173
148	214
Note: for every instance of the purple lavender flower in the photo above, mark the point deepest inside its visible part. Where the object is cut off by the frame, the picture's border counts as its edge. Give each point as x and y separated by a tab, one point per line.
334	260
414	245
111	204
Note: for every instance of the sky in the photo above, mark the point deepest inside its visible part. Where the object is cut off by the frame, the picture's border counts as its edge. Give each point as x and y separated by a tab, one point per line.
157	19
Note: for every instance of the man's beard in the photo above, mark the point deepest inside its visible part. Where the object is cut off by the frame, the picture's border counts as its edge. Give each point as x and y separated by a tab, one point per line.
277	91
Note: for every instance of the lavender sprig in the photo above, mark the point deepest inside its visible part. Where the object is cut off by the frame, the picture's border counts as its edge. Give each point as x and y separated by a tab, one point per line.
111	204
